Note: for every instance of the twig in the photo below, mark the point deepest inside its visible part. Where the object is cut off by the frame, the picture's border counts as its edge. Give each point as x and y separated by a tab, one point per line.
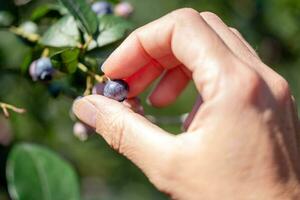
89	86
87	43
5	107
45	53
97	77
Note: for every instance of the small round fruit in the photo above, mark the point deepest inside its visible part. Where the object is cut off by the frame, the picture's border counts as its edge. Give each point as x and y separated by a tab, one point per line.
116	89
32	72
98	88
123	9
81	131
102	8
41	69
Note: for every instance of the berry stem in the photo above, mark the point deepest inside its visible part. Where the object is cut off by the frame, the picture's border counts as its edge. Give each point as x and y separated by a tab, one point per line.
89	86
45	53
97	77
5	107
87	43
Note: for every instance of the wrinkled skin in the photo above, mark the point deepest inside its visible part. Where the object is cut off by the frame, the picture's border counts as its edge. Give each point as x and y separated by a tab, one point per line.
242	142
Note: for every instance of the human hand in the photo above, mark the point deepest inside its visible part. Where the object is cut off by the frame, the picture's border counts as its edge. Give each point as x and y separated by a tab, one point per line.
243	141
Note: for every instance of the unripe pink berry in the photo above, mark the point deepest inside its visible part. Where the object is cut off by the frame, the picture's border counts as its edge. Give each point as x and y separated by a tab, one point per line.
81	131
123	9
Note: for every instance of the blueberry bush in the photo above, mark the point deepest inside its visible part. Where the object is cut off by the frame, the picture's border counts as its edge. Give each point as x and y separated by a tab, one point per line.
51	52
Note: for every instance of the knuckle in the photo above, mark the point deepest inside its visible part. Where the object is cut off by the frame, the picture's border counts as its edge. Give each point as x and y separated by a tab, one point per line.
112	129
234	30
209	15
283	92
252	85
185	12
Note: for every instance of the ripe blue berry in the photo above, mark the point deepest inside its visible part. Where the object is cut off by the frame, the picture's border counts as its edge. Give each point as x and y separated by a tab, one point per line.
98	88
41	69
102	8
116	89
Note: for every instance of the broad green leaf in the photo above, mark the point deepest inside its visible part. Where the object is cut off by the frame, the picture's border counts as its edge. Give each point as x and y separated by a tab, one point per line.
112	29
66	60
36	173
81	11
64	33
43	10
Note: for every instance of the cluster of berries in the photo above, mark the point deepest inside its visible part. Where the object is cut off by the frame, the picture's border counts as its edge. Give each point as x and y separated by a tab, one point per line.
42	69
114	89
123	9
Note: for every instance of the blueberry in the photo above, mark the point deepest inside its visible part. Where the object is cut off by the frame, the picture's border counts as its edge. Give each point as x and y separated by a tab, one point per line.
116	89
41	69
123	9
102	8
98	88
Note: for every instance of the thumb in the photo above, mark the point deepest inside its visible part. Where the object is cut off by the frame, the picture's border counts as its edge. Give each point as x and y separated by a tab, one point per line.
129	133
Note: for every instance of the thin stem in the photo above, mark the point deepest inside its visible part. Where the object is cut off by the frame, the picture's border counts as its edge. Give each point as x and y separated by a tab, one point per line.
89	86
45	53
87	43
97	77
5	107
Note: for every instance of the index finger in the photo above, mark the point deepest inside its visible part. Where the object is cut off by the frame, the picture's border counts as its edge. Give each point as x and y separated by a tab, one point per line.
181	37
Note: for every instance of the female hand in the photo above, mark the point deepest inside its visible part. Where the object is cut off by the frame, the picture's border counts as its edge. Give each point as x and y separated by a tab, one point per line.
243	141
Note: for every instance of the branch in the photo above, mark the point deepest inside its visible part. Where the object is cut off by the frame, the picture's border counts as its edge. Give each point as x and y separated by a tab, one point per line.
5	107
97	77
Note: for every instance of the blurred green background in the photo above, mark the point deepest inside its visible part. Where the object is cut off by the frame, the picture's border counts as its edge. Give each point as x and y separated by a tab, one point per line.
272	27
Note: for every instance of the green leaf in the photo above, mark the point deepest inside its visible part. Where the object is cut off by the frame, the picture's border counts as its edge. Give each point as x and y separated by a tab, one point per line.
43	10
66	60
112	29
36	173
64	33
81	11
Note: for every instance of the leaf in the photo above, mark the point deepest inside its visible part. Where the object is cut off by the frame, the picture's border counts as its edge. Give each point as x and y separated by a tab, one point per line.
43	10
36	173
66	60
81	11
112	29
64	33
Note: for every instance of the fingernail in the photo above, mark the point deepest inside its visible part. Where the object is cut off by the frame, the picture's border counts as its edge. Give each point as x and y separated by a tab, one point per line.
85	111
